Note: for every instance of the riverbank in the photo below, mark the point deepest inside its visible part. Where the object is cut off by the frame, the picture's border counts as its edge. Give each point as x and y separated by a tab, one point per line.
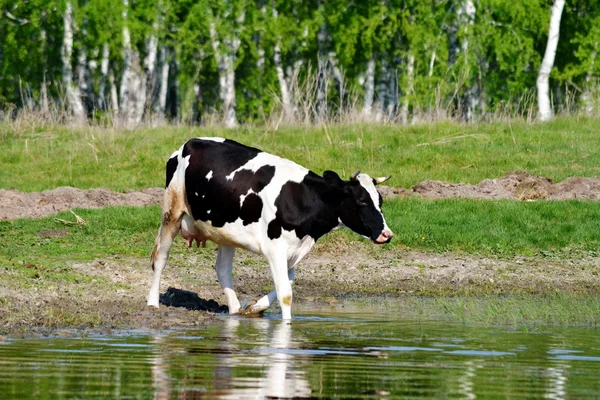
109	292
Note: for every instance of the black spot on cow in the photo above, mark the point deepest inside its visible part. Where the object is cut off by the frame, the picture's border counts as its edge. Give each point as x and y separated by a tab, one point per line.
307	208
251	209
171	168
218	199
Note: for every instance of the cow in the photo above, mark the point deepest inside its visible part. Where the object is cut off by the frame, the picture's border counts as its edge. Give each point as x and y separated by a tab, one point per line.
241	197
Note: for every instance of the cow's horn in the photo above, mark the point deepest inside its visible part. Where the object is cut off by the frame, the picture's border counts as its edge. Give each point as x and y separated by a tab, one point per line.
354	175
381	179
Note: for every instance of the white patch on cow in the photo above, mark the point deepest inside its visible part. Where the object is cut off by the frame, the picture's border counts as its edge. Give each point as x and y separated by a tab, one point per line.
209	175
185	162
175	153
213	139
196	193
208	211
203	196
367	182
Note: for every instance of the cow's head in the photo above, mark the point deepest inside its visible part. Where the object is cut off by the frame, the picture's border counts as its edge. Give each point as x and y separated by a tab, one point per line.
360	205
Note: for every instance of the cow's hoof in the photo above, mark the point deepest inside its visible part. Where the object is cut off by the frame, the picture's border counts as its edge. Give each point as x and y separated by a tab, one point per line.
252	311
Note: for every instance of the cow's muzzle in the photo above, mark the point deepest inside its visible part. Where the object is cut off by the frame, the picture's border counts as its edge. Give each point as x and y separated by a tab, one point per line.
385	237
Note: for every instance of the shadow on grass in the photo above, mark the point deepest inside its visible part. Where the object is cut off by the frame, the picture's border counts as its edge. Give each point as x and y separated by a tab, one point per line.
191	301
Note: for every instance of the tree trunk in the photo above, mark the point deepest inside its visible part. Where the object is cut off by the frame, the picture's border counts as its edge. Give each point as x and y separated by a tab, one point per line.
162	85
114	96
587	97
466	17
226	55
145	98
103	76
284	89
322	72
410	74
73	95
125	74
544	108
173	103
369	89
286	100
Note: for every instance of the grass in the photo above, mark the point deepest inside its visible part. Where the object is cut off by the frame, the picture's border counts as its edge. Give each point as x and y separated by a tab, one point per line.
40	158
501	228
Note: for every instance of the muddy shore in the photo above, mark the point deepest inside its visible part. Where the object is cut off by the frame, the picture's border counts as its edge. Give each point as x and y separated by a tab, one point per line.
112	295
115	296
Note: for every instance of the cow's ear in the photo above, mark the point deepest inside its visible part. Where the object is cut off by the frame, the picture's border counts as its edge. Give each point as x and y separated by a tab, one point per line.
332	179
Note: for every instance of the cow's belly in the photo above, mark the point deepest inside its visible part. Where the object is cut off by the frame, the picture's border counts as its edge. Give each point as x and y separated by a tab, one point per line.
232	234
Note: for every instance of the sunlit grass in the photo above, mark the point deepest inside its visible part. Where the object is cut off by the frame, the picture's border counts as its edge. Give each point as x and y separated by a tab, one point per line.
42	158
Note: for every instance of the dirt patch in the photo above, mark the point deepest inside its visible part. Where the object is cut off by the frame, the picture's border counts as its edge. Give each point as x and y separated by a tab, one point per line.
16	204
516	185
110	293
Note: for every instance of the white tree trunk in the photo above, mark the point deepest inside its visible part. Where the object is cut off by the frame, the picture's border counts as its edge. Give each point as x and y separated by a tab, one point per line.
410	75
103	76
286	100
322	72
543	91
74	103
160	106
114	96
125	74
369	89
145	98
589	102
466	17
226	66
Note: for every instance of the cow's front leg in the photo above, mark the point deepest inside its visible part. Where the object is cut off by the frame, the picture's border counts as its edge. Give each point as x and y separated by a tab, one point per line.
265	302
224	268
283	288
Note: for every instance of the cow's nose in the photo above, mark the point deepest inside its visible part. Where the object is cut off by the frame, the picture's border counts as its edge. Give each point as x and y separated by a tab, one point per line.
385	237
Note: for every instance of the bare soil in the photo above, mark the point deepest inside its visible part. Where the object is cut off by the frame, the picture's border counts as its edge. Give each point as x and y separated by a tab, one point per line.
517	185
113	292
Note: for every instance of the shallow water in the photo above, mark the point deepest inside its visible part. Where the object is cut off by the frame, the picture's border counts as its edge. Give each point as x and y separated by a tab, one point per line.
341	352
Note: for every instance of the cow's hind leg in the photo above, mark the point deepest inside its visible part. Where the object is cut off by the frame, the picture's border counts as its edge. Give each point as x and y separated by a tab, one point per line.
169	228
224	268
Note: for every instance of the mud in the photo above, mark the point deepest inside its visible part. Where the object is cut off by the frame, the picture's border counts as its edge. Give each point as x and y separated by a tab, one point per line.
110	292
517	185
16	204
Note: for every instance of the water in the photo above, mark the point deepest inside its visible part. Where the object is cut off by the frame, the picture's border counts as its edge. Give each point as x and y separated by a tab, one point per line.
333	353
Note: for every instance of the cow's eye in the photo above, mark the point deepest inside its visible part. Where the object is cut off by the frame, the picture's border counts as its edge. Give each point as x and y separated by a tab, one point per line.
361	203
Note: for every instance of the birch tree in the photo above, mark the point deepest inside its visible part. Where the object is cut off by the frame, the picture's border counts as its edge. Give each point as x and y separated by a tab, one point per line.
543	91
225	30
72	93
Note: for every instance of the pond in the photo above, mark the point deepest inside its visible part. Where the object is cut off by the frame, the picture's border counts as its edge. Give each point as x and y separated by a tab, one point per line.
341	351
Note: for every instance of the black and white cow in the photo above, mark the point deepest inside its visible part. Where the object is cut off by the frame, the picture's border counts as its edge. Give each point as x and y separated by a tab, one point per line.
239	196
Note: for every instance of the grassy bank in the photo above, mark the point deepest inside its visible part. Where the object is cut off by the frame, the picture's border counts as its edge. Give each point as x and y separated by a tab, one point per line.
465	256
490	228
39	158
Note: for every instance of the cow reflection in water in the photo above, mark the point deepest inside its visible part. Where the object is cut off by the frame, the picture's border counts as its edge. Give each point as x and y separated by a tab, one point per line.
283	377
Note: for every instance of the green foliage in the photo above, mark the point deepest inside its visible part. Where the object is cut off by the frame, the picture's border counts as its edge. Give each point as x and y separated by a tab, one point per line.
506	42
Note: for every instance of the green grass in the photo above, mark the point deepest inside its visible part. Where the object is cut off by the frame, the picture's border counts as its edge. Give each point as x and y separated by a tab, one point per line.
33	159
502	228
